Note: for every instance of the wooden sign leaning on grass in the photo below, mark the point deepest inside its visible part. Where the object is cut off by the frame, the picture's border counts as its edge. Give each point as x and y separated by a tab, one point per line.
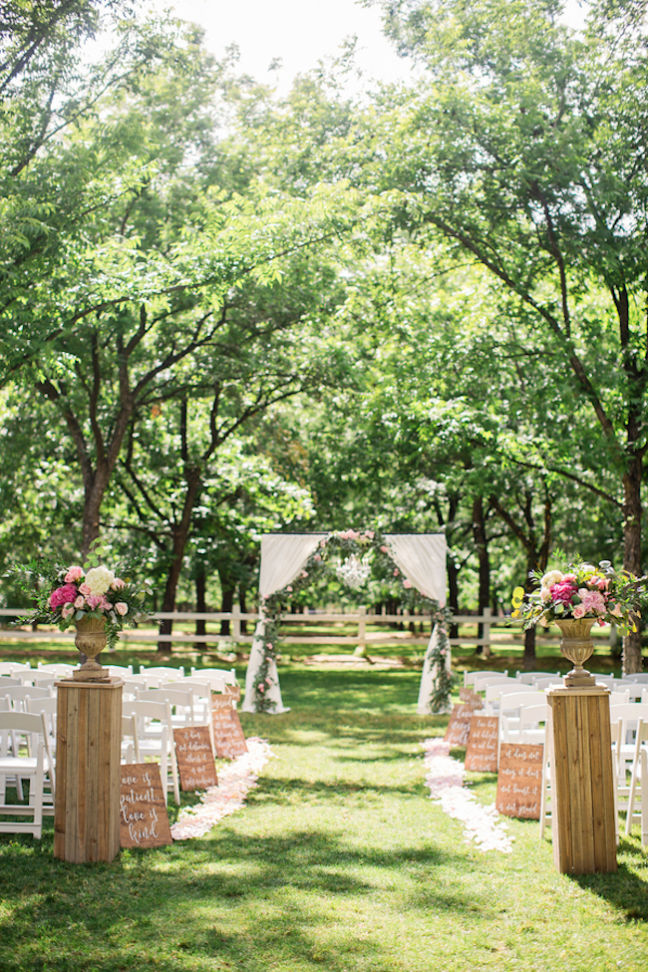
143	818
481	751
195	758
228	734
470	698
459	725
519	781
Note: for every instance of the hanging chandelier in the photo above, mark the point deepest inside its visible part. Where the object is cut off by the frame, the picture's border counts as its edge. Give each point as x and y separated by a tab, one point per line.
354	572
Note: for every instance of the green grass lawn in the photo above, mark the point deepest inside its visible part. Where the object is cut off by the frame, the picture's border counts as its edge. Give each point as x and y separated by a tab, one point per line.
339	862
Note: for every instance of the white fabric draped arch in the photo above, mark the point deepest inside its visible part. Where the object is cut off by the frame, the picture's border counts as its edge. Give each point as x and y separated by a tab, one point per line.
421	558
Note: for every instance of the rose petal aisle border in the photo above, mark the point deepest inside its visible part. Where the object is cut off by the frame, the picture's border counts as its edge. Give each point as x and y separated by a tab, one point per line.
444	777
234	783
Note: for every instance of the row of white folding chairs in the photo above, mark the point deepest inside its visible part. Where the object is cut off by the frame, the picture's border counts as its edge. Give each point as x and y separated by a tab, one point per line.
25	756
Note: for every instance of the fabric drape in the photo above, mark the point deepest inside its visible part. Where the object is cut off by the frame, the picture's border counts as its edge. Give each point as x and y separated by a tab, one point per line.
282	557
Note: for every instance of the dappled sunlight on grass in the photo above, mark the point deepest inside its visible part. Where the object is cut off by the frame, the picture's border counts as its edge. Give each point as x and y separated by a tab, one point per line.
339	861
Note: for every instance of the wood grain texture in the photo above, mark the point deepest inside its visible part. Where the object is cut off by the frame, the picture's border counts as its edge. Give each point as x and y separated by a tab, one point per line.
86	817
583	824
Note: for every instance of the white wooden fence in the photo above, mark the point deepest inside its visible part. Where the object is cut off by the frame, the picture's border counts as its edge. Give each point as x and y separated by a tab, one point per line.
361	639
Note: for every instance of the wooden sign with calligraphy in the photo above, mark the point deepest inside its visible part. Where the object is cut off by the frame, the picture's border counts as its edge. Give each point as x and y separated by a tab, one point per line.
234	692
459	725
481	751
473	699
143	818
228	734
520	779
195	758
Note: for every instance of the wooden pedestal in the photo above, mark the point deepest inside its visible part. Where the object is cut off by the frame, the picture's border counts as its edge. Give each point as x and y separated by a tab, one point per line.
582	783
88	751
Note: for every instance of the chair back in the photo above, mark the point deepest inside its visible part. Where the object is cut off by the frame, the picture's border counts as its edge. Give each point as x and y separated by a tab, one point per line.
206	674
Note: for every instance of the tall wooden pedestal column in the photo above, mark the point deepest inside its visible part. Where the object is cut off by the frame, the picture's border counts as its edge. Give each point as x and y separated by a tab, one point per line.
582	783
88	751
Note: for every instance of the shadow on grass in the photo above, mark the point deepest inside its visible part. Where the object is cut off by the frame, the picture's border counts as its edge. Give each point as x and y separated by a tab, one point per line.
627	889
244	904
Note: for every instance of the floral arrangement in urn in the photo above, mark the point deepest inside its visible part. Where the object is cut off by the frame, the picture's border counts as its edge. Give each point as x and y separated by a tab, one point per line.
71	594
582	591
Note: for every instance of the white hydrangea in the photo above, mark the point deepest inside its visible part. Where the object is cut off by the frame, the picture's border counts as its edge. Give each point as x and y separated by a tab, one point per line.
99	579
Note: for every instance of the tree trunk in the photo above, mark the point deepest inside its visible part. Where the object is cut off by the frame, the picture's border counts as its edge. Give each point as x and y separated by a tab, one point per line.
453	594
201	603
180	537
483	559
243	607
227	603
632	553
529	659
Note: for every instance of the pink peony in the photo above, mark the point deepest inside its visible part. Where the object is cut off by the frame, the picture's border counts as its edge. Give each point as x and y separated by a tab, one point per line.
67	610
62	595
84	589
79	602
592	601
563	591
93	601
74	574
117	584
579	611
121	608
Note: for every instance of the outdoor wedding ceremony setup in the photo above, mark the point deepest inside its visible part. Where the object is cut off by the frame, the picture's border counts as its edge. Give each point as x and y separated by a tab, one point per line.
324	534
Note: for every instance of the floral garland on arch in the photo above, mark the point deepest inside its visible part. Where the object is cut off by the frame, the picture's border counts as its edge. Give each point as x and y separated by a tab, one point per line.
358	547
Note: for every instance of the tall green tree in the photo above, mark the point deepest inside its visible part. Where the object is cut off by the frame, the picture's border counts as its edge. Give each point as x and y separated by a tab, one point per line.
525	149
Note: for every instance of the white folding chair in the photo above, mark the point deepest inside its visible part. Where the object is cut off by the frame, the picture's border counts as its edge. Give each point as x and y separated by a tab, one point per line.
120	671
60	669
206	674
162	673
47	707
130	751
14	668
17	694
529	678
25	754
497	694
155	739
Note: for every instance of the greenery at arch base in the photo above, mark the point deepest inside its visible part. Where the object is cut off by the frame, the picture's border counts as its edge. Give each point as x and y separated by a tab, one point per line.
347	543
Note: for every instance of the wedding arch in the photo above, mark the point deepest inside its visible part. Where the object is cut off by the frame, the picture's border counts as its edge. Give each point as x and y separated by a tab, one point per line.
290	561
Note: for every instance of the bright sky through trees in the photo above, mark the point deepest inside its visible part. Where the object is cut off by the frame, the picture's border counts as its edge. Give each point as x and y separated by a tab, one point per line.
297	32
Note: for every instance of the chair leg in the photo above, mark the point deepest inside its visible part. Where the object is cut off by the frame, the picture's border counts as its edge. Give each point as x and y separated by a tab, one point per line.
644	798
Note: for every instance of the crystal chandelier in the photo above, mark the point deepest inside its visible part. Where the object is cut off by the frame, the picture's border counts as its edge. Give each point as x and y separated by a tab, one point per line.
354	572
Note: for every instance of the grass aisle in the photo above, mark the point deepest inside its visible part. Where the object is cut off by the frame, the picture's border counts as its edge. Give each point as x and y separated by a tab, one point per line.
339	862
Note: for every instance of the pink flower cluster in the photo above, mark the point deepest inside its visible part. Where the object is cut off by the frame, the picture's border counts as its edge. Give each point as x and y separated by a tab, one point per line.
74	596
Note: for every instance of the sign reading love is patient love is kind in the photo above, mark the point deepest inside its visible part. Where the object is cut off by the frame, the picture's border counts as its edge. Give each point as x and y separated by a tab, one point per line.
459	725
519	782
229	738
143	818
195	758
481	751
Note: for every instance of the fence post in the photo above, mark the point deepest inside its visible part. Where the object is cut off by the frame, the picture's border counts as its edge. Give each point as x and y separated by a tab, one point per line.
236	621
361	650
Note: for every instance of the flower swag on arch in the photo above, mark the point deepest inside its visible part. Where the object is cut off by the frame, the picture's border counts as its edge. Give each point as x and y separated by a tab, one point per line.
357	548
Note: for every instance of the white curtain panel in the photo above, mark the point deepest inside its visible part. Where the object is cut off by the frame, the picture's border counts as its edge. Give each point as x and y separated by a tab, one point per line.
283	555
429	673
422	559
